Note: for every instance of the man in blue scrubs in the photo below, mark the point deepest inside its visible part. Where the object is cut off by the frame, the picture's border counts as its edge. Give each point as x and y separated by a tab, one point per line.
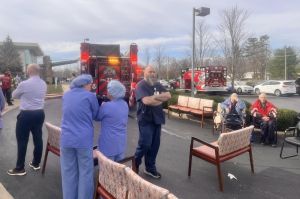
150	95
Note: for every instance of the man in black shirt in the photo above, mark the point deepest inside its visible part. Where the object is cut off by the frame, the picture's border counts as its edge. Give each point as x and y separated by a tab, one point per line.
150	95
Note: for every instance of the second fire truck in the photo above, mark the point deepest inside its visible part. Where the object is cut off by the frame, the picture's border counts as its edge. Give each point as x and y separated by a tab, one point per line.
206	79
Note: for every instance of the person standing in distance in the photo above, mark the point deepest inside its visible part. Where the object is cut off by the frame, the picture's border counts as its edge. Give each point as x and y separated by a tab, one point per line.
150	95
32	94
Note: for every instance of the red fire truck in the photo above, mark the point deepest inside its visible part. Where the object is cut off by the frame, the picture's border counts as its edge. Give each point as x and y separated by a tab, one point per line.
105	62
206	79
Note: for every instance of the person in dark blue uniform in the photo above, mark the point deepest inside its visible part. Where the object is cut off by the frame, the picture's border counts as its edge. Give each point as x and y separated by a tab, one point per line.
150	95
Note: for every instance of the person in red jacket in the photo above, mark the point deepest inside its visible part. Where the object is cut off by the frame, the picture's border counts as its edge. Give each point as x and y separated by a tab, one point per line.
264	113
6	87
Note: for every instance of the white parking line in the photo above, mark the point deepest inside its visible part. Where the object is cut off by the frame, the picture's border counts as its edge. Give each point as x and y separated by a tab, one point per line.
174	134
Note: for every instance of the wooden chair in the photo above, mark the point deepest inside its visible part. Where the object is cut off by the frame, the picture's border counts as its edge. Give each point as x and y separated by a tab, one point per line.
228	146
53	142
138	188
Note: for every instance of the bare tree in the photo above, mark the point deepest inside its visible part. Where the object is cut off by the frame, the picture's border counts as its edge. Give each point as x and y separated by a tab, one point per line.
203	42
232	26
159	59
147	55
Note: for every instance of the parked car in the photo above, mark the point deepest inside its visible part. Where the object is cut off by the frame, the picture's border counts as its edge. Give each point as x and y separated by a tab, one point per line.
239	87
297	82
277	87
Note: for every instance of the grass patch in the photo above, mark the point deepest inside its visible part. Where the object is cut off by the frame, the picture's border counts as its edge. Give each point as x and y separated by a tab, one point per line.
51	89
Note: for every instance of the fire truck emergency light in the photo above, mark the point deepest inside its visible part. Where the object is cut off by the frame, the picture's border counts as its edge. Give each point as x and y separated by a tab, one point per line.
113	60
84	57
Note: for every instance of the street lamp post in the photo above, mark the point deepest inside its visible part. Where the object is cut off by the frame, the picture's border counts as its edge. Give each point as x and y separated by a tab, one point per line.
203	11
285	63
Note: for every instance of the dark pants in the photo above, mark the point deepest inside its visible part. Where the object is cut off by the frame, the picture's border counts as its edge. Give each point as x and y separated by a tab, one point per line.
268	131
7	94
29	121
148	145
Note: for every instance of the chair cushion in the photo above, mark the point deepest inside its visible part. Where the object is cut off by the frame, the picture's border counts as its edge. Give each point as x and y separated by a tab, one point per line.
182	100
209	153
206	103
112	176
194	103
138	188
234	140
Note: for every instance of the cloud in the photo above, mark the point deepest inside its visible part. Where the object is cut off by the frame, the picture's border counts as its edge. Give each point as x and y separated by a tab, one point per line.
60	26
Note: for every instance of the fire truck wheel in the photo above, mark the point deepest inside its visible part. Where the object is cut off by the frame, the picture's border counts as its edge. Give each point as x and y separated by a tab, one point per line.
239	90
257	91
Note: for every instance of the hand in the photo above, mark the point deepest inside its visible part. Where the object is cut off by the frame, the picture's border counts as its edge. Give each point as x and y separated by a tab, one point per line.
265	119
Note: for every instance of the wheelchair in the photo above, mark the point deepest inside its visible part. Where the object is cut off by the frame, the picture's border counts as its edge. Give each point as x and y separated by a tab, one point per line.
256	122
226	122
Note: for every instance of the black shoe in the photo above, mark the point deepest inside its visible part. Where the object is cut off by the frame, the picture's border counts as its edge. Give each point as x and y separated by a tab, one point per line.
16	172
36	168
137	167
153	174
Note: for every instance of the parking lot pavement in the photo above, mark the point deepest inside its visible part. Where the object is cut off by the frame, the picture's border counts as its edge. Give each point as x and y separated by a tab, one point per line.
273	178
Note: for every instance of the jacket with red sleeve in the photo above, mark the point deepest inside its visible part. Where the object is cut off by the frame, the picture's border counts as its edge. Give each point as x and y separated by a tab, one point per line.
257	106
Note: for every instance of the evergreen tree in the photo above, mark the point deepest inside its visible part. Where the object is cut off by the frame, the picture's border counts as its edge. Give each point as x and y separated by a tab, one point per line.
9	57
277	68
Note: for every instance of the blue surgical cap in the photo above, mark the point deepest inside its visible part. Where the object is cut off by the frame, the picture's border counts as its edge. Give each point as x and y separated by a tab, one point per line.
116	89
81	81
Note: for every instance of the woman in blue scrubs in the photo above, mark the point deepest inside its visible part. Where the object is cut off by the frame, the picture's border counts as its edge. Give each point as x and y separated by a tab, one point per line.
80	107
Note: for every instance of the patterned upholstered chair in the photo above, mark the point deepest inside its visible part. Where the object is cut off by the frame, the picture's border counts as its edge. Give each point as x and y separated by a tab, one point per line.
228	146
112	183
53	142
142	189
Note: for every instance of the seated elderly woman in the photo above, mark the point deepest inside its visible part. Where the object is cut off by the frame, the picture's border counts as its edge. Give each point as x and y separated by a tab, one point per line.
114	117
264	114
234	110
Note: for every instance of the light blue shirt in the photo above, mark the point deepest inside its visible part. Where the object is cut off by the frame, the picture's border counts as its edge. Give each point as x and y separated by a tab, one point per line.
79	108
113	133
31	93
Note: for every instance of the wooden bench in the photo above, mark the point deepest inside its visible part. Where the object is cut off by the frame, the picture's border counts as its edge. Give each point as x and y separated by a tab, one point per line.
228	146
194	106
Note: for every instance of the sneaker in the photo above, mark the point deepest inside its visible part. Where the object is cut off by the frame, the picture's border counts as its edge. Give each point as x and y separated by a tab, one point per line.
16	172
153	174
274	145
36	168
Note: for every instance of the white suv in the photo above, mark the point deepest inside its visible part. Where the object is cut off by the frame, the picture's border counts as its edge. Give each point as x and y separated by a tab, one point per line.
276	87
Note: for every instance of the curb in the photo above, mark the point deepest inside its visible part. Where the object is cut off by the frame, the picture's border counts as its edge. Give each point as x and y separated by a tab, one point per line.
48	97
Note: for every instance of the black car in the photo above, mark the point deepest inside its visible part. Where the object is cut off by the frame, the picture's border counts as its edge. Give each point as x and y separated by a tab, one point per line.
297	82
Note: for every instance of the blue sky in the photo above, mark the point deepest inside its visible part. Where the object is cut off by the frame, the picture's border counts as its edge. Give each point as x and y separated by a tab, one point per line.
59	26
